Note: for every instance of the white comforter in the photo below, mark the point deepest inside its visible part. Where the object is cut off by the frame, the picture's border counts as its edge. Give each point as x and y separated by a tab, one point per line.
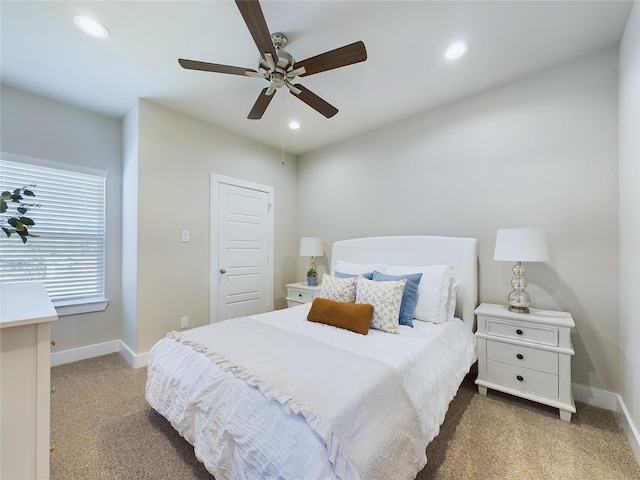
239	432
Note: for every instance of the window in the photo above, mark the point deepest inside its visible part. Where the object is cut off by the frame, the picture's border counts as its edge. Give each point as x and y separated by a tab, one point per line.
68	255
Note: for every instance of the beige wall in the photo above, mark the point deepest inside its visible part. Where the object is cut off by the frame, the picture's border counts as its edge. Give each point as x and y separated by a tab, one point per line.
539	152
629	106
42	128
175	155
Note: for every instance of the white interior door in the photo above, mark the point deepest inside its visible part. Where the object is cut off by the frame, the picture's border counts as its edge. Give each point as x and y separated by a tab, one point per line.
241	248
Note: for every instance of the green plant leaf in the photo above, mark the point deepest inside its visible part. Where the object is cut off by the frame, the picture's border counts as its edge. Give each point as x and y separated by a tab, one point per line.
17	223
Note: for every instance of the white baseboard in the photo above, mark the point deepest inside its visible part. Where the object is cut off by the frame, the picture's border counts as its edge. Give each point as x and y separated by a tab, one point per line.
97	350
610	401
595	397
82	353
136	361
629	428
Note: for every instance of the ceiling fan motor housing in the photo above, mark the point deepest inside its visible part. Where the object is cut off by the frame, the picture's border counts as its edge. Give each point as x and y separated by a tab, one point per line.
277	73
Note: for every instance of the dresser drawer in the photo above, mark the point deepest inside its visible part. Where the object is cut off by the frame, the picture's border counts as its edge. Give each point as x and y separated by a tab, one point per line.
523	332
521	356
523	378
300	295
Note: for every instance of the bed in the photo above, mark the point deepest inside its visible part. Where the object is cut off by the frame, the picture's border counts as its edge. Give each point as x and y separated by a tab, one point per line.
278	396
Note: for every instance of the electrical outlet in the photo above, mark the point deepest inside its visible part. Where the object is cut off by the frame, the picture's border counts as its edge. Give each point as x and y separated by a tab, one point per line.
184	322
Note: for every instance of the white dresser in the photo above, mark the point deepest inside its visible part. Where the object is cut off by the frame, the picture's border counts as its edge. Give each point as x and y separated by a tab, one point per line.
299	293
25	317
526	354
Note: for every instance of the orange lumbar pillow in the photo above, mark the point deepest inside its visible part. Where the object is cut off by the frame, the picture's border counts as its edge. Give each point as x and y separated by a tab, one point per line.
350	316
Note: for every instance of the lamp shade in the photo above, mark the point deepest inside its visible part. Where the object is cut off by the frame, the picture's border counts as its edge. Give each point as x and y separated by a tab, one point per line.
521	245
311	247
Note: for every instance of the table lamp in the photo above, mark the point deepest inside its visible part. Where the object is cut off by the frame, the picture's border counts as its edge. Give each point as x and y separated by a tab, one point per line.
311	247
520	245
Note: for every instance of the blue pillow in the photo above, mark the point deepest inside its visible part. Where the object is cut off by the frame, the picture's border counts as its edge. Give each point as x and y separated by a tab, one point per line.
409	295
368	276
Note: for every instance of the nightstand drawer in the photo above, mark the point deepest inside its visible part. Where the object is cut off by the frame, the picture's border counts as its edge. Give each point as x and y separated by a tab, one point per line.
523	332
521	356
523	378
301	295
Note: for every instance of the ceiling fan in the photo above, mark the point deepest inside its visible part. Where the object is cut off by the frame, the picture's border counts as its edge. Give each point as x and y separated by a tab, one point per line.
278	67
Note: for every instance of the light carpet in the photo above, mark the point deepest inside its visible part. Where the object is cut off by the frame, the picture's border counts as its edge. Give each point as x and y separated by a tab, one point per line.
102	428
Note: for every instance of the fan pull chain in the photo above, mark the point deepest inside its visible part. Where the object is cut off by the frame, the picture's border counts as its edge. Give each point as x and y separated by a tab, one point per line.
283	130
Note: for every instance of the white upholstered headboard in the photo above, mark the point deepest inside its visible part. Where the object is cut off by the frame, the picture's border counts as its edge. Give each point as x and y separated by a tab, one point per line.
420	250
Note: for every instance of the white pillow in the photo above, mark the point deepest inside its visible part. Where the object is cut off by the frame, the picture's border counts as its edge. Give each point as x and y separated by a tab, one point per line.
338	289
433	303
386	298
357	268
451	302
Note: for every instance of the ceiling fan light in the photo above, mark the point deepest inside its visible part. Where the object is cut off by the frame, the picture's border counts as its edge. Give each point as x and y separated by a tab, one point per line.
91	27
456	50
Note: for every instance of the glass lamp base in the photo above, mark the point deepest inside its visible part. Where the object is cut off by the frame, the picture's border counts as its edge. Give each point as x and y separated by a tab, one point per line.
519	299
518	309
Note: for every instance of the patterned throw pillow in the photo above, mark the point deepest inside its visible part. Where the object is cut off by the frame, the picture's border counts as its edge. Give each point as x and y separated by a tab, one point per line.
409	296
386	298
338	289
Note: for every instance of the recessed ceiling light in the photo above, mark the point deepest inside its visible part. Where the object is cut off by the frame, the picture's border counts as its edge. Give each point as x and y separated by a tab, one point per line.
294	125
91	27
456	50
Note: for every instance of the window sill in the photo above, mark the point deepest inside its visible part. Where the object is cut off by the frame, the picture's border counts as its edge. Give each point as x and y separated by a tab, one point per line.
86	306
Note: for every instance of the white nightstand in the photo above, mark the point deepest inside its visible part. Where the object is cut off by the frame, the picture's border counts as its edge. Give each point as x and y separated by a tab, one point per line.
526	354
298	293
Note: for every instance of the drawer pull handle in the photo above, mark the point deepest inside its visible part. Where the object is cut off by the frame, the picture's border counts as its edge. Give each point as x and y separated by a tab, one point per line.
519	356
300	295
520	378
519	332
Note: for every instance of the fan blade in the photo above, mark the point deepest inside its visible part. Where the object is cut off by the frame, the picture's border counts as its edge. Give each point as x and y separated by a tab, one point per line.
260	106
340	57
314	101
256	75
254	18
214	67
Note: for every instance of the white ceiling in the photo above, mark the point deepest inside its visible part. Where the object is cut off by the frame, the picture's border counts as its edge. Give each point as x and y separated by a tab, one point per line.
44	53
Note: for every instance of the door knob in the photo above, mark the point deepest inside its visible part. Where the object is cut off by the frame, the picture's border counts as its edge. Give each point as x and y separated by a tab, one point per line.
223	271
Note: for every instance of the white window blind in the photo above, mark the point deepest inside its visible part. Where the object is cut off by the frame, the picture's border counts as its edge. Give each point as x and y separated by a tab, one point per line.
68	255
